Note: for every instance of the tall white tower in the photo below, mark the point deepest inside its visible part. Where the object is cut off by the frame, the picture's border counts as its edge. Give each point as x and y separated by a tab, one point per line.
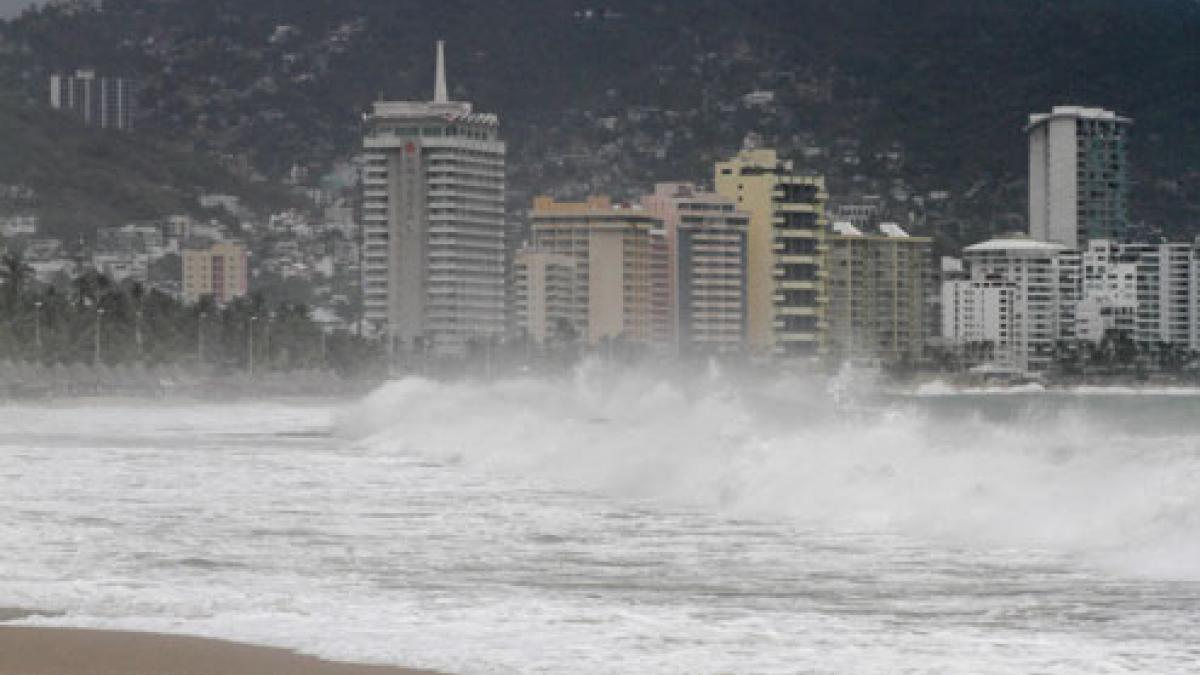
1078	175
433	223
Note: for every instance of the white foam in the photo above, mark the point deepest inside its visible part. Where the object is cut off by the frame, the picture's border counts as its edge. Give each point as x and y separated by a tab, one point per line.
1074	482
619	522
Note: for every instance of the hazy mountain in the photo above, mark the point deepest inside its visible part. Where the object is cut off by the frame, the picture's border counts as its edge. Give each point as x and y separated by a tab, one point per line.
606	95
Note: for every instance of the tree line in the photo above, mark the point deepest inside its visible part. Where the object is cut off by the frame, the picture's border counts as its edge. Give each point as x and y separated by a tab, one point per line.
93	319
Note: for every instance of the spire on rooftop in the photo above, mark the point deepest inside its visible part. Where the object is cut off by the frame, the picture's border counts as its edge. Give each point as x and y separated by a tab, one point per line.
439	86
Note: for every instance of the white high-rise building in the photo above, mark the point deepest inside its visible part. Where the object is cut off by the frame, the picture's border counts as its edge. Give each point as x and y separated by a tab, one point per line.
1108	292
1078	175
433	223
105	102
1165	285
1019	299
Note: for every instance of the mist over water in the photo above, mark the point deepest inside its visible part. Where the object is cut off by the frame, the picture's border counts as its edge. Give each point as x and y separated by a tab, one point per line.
1109	476
621	521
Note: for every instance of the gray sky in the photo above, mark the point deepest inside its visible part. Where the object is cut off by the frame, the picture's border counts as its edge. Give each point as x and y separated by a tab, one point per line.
11	8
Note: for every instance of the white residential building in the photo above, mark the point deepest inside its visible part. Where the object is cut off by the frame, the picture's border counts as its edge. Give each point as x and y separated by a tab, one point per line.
1019	298
105	102
19	226
1165	290
433	222
1108	293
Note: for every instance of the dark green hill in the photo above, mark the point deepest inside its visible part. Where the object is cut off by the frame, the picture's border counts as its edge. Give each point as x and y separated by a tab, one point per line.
607	95
86	178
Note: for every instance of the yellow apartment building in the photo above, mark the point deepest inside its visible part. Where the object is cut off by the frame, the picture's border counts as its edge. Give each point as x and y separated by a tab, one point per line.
786	253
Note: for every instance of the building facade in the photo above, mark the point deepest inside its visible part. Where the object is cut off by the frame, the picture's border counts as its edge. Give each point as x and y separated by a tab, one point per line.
877	294
105	102
705	263
1165	290
614	256
546	294
220	270
1013	301
1078	175
433	223
785	261
1108	293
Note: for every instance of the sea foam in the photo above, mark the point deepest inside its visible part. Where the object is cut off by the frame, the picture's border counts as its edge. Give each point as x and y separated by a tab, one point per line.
1075	477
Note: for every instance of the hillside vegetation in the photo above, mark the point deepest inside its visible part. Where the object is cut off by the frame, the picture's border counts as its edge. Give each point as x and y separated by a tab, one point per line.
86	178
608	95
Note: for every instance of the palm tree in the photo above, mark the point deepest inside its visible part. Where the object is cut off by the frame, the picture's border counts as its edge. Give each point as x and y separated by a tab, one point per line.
90	286
14	272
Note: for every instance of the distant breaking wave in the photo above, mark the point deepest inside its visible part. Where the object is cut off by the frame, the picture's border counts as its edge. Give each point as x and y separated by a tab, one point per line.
1114	482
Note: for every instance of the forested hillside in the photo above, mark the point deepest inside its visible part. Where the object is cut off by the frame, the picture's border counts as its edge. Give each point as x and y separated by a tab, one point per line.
892	98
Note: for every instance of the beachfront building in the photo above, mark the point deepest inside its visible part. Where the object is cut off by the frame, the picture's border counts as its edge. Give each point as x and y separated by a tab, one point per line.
433	223
1013	301
1108	304
877	294
105	102
545	295
704	237
1078	175
614	255
1165	292
221	270
785	251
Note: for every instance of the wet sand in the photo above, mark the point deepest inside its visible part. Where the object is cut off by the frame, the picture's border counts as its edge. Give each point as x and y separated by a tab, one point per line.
61	651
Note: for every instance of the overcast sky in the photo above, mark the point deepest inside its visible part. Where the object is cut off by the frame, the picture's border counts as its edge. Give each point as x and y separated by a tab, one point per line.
11	8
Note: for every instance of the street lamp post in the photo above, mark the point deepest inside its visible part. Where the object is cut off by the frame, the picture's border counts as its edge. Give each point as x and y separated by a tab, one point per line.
200	337
137	332
37	327
96	353
267	340
250	346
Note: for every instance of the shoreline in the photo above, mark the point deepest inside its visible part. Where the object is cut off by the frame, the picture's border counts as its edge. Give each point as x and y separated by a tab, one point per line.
36	650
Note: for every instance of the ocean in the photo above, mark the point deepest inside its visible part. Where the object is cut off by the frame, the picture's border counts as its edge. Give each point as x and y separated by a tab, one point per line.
626	522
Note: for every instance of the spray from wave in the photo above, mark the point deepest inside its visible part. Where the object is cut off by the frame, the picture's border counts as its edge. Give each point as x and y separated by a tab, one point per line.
1084	476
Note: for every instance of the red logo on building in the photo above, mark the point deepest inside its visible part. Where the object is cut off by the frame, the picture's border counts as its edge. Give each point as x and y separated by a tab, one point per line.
410	148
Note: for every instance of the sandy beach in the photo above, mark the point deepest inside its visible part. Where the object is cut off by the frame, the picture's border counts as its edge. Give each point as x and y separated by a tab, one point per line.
59	651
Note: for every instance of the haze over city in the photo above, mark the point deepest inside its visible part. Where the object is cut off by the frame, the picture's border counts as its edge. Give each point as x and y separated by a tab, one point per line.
683	337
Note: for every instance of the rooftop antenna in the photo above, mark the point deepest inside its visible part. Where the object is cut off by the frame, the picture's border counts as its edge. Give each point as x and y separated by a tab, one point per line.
439	86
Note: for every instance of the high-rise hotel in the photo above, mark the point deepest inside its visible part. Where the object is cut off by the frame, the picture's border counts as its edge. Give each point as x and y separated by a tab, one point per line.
433	223
1078	175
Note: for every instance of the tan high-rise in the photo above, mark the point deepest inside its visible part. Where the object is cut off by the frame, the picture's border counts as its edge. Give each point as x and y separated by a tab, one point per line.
545	293
785	270
219	271
877	294
614	254
705	265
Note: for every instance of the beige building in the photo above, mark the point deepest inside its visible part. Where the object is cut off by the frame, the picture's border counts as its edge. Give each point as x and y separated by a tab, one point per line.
614	253
785	268
705	268
876	288
219	271
545	294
